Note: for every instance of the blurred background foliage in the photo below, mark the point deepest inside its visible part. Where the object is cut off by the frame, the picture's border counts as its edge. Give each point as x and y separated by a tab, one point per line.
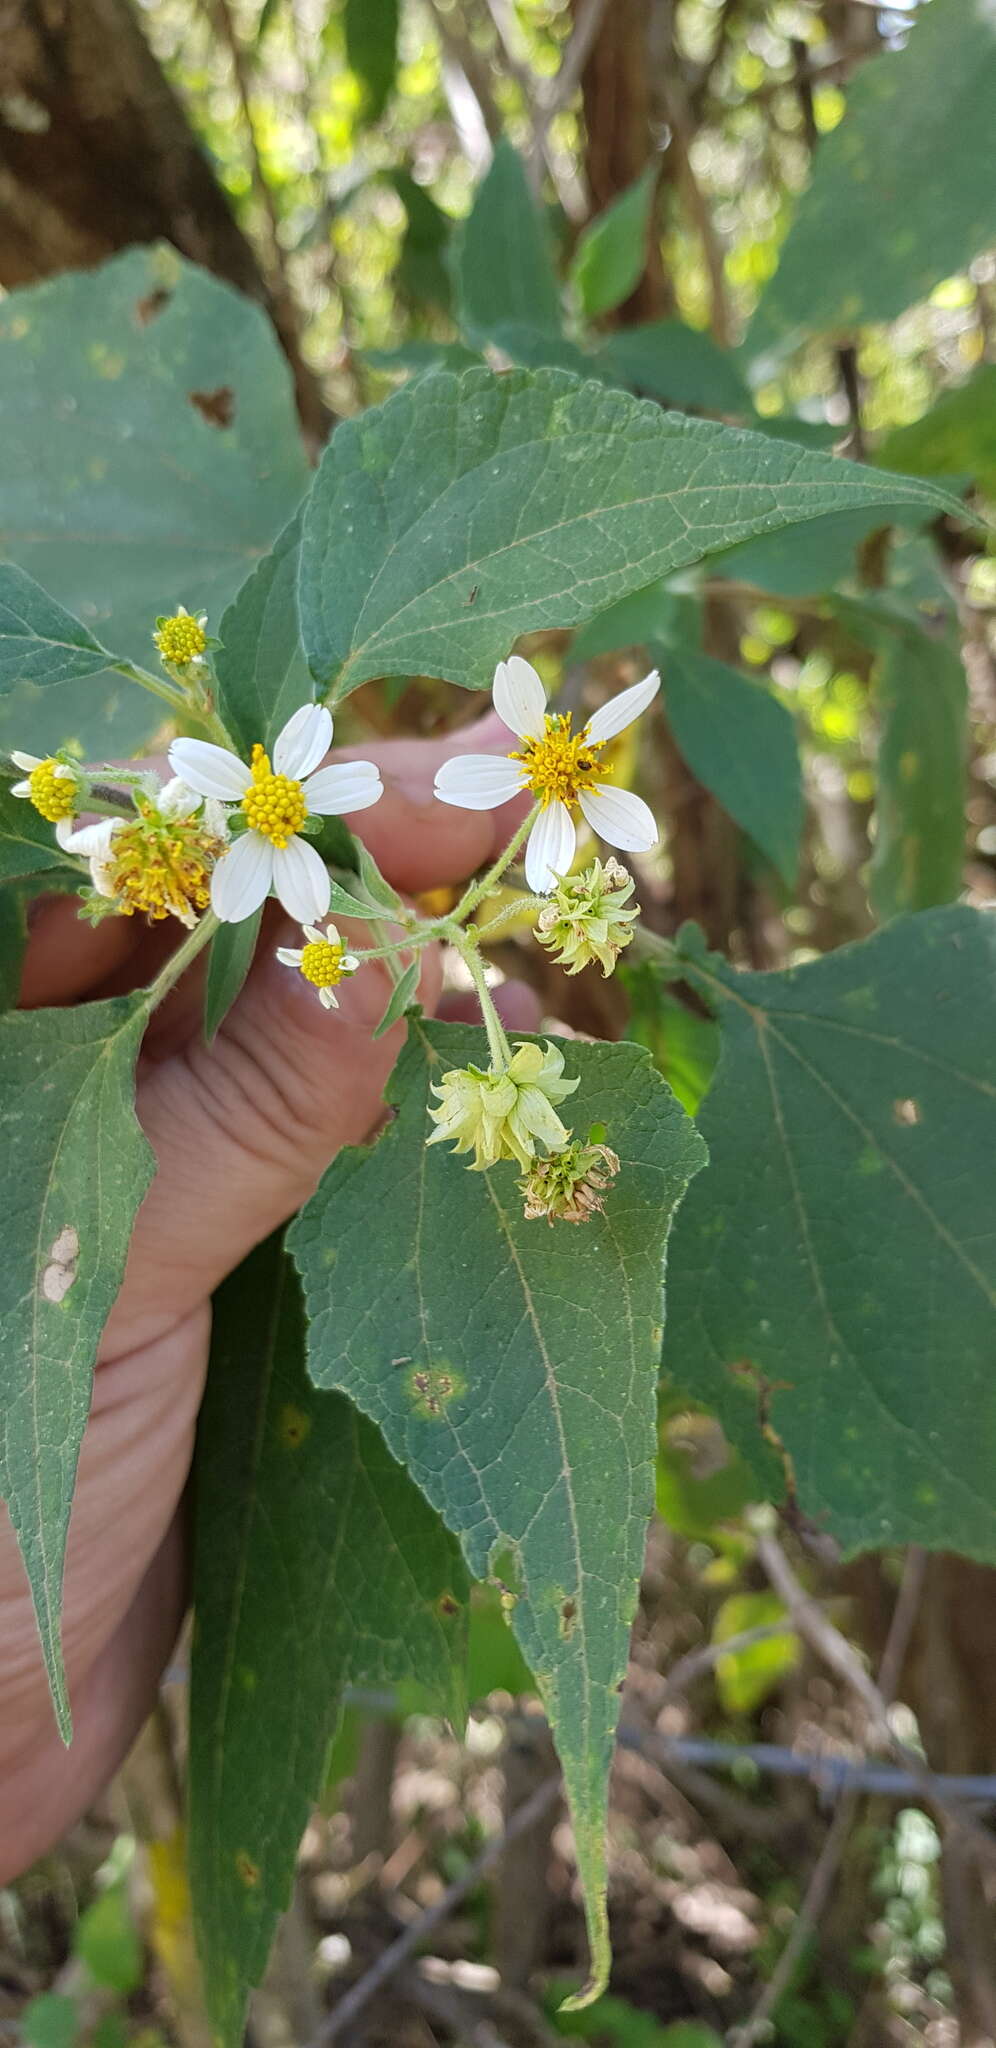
617	188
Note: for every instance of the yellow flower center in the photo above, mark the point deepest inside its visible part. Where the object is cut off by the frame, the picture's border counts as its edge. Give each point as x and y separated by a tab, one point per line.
180	640
321	963
560	763
53	795
161	867
275	805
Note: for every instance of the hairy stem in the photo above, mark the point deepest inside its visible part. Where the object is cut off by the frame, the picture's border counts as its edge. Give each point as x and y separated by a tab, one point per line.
498	1045
179	961
478	890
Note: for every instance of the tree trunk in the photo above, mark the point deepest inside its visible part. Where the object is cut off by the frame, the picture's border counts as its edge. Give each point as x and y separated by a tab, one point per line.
96	153
616	87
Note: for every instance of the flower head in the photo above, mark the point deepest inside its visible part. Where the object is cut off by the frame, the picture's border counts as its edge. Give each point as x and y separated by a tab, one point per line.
275	800
323	961
562	768
585	918
159	862
181	639
53	785
569	1186
503	1115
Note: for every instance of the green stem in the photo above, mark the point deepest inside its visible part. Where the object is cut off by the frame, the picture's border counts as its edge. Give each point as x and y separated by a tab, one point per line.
651	946
498	1045
478	890
519	908
183	706
179	961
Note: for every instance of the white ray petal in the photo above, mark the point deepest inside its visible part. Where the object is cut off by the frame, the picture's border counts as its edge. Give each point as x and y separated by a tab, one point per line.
25	761
550	848
301	880
619	817
211	770
479	782
328	999
92	841
519	697
346	786
241	880
289	956
621	710
176	799
303	742
22	789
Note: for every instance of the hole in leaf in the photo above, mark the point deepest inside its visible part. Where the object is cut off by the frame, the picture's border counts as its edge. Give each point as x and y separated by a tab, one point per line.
216	407
154	303
907	1111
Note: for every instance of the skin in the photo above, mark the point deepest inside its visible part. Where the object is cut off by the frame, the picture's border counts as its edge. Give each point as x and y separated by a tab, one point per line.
242	1134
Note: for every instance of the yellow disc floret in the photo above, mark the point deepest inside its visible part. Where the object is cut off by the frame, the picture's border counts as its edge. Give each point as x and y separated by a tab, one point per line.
180	639
275	805
161	867
559	762
52	789
321	963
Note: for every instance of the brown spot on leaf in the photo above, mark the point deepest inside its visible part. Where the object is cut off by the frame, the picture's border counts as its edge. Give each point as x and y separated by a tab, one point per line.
60	1271
216	407
293	1425
154	303
448	1605
247	1870
907	1111
568	1617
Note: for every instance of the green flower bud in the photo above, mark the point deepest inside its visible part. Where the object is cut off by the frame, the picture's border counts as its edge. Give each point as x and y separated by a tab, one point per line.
504	1115
585	919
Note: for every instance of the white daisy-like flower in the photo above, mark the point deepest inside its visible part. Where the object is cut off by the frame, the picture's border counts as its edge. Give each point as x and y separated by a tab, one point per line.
155	861
561	767
52	785
275	802
323	961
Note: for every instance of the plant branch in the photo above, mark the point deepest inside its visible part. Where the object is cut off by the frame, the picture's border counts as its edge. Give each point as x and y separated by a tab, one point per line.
178	962
479	890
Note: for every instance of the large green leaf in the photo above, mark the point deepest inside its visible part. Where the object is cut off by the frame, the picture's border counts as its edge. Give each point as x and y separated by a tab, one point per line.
465	511
804	561
75	1168
511	1367
503	258
260	665
677	364
609	260
317	1565
903	192
956	438
832	1275
150	455
741	744
40	643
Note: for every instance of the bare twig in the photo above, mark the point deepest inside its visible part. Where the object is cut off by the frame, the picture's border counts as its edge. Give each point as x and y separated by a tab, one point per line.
901	1626
817	1894
392	1958
468	87
697	1662
543	101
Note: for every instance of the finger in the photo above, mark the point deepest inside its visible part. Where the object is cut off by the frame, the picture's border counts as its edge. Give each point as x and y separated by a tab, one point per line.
243	1130
418	842
67	958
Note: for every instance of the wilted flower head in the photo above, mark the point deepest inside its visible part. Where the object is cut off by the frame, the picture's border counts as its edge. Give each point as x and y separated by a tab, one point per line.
504	1115
181	639
159	862
585	918
569	1186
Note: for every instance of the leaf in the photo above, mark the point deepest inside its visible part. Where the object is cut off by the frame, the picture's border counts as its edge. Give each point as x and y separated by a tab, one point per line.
50	2020
836	1262
956	438
121	490
503	261
741	744
745	1678
345	905
229	961
401	997
371	31
549	498
260	666
106	1940
376	885
683	1044
611	253
75	1168
28	844
877	227
679	365
525	1409
658	613
317	1565
922	698
13	939
422	269
39	642
803	561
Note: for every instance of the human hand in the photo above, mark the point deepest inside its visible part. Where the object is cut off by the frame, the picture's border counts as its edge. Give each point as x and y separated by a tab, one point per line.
242	1132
